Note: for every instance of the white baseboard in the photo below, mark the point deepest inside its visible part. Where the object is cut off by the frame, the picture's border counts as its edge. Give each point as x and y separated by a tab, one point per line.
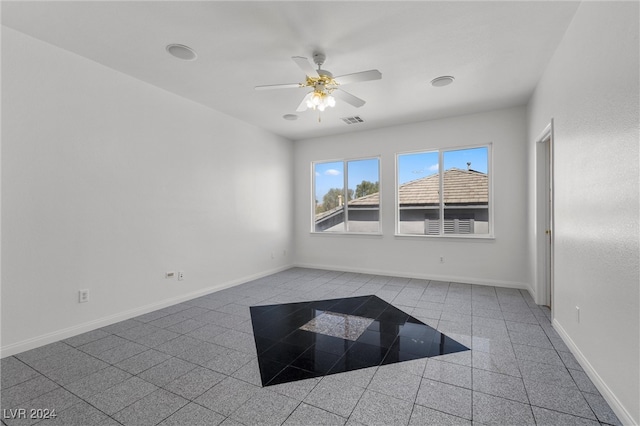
425	276
65	333
623	415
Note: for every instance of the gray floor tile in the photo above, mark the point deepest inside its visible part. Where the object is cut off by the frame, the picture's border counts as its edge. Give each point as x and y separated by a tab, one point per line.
84	338
374	408
98	346
10	397
56	400
250	372
495	363
546	373
136	332
462	358
122	352
546	417
583	382
446	398
227	395
305	415
179	345
536	354
98	381
570	360
426	416
166	372
530	339
396	383
296	390
236	340
603	412
500	385
15	371
122	395
157	338
229	361
202	353
194	383
517	355
360	378
143	361
151	409
265	408
193	415
80	414
454	374
77	371
335	396
44	351
492	410
186	326
563	399
121	326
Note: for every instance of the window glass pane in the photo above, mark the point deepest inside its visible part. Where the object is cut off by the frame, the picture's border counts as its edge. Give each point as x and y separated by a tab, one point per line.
329	197
466	191
418	193
363	182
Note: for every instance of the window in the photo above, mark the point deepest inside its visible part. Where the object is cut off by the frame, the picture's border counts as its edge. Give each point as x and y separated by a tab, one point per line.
347	196
462	175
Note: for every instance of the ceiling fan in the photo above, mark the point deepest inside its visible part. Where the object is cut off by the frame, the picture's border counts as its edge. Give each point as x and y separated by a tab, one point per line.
325	86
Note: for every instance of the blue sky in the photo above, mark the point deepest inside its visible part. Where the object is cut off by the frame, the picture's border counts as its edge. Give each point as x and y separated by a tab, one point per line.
331	175
410	166
418	165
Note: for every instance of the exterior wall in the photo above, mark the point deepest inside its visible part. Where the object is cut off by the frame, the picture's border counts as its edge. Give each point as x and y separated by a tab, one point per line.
590	89
499	261
108	182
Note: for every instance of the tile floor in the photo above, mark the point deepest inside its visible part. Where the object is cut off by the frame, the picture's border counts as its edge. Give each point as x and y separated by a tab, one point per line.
195	363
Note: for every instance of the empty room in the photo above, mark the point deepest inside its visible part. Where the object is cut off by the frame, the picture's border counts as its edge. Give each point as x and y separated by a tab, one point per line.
320	213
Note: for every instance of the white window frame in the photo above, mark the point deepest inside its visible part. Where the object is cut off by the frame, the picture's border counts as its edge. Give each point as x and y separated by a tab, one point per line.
345	162
441	207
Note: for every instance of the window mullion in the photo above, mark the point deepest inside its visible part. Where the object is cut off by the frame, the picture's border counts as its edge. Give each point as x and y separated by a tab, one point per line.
345	190
441	189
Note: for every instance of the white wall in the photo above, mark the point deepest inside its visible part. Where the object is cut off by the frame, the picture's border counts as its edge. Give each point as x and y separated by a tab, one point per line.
501	261
590	89
108	182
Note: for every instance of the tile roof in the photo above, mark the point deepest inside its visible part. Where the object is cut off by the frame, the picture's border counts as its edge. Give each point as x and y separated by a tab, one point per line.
460	187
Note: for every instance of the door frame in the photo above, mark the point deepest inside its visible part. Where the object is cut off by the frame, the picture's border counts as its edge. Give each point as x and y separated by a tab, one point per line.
544	227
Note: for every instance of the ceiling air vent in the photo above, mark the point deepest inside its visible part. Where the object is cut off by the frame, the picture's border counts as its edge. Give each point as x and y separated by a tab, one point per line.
352	120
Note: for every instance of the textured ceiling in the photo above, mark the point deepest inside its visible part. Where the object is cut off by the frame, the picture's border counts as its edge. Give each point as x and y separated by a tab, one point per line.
497	52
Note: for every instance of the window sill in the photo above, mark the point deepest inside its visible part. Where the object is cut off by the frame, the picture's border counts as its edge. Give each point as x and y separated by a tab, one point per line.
350	234
448	237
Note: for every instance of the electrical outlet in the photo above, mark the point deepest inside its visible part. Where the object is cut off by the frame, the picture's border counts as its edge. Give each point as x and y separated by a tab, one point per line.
180	275
441	259
170	274
83	296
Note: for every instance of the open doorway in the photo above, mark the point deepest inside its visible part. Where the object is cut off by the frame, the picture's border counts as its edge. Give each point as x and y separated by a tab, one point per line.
544	214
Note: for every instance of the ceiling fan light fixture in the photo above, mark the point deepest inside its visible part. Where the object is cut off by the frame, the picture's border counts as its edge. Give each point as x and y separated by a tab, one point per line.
182	52
442	81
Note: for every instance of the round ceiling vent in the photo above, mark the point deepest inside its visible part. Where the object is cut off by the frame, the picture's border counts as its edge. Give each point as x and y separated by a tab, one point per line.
442	81
290	117
183	52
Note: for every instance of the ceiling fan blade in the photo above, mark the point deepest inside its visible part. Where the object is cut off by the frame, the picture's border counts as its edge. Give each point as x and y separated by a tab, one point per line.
348	98
358	76
305	66
278	86
303	104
